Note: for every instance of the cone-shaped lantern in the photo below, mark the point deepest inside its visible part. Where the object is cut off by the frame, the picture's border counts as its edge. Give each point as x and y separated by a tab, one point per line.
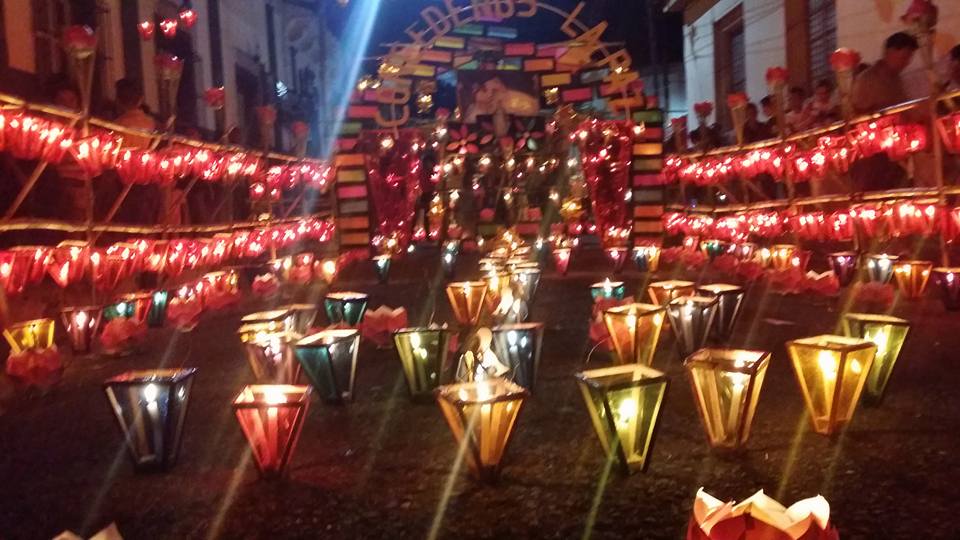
782	256
831	371
691	318
844	266
524	282
301	317
157	315
618	256
634	331
714	248
424	354
467	299
278	320
328	270
647	258
948	281
135	306
726	384
496	283
745	251
33	334
150	407
624	404
381	263
912	277
607	289
888	334
270	353
345	307
271	417
81	324
880	267
448	257
561	259
729	300
329	359
518	347
663	292
481	415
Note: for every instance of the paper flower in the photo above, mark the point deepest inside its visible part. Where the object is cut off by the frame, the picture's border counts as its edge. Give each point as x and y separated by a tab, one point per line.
265	285
760	518
922	12
379	325
789	281
777	75
599	335
736	100
120	334
215	97
844	59
750	270
703	109
463	141
726	263
184	313
36	367
874	296
825	284
79	40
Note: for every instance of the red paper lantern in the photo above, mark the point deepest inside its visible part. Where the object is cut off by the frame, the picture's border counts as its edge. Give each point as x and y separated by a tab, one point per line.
146	30
215	97
169	27
271	417
188	17
79	40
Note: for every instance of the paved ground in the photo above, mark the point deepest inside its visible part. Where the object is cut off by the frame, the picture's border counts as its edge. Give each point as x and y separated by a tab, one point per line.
381	467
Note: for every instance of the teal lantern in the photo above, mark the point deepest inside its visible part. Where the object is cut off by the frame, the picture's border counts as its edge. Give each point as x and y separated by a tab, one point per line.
158	309
345	307
329	359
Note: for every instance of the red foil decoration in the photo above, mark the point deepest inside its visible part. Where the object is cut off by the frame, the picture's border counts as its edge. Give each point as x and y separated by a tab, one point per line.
393	164
606	151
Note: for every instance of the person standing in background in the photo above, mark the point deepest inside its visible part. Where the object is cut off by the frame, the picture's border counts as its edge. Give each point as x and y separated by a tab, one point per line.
796	116
823	107
880	85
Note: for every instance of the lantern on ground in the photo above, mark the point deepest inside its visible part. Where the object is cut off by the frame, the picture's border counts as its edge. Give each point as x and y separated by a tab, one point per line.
713	248
831	371
328	270
663	292
880	267
618	256
608	290
271	417
726	385
33	334
518	347
270	353
81	324
691	318
782	256
157	314
729	301
481	415
912	277
624	404
634	331
496	283
301	317
561	259
329	359
150	407
844	266
277	320
524	282
647	258
467	299
345	307
381	263
424	354
745	251
888	334
948	281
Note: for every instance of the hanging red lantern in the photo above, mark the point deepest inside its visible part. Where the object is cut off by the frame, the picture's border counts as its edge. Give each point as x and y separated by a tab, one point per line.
188	17
215	97
146	30
68	263
169	28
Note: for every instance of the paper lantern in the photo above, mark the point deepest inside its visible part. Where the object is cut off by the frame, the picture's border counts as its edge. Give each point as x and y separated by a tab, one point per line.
729	301
158	309
424	354
33	334
607	289
782	256
634	330
496	283
831	371
647	258
518	347
277	320
888	334
345	307
482	415
134	306
467	299
146	29
714	248
150	407
68	263
328	270
381	263
81	325
561	259
329	359
301	317
759	517
948	281
624	404
31	262
270	353
726	385
524	282
880	267
663	292
744	251
691	318
618	256
271	417
912	277
844	266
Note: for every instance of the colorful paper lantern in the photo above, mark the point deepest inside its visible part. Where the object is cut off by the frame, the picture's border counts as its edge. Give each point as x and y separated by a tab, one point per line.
134	306
301	317
782	256
345	307
691	318
277	320
714	248
634	330
496	283
618	256
32	334
948	281
729	301
271	417
467	299
647	258
328	270
844	266
424	354
607	289
151	407
888	334
270	353
912	277
524	282
726	384
381	263
482	415
561	259
624	404
81	325
158	309
831	371
880	267
329	359
663	292
518	347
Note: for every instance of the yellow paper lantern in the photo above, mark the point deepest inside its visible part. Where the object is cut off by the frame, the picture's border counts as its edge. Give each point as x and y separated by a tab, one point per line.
33	334
888	334
663	292
781	256
634	331
912	277
831	371
467	299
270	353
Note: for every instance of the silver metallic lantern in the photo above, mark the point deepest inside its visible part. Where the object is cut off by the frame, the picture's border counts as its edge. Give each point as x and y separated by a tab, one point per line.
729	301
691	318
518	346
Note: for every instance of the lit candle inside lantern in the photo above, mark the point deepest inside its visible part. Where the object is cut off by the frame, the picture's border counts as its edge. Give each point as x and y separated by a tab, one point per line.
518	346
880	267
270	353
467	299
713	248
424	354
729	300
634	331
647	258
663	292
134	306
525	281
784	256
948	280
691	318
617	255
608	289
81	324
328	269
844	266
32	334
345	307
271	417
329	359
888	334
745	251
561	259
382	265
912	277
765	257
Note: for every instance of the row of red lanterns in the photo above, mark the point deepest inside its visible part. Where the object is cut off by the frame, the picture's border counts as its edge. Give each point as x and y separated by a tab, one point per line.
168	26
71	262
895	219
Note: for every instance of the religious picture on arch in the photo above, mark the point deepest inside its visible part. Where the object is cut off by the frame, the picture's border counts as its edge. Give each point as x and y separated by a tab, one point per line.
482	93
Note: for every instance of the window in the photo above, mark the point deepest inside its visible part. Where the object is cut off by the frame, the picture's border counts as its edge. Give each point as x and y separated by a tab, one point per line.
49	17
730	69
822	21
